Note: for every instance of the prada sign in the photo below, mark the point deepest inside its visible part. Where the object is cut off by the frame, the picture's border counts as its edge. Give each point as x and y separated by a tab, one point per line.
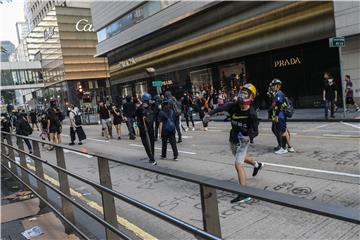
127	62
83	25
48	33
287	62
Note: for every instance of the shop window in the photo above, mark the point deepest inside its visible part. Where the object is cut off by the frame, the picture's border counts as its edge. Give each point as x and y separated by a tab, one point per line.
201	80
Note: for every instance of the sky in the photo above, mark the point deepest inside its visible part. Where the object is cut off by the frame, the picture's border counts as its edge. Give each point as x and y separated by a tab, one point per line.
10	13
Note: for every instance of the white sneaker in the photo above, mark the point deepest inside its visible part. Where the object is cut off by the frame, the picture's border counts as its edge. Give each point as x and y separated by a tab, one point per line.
186	129
281	151
205	129
193	129
290	149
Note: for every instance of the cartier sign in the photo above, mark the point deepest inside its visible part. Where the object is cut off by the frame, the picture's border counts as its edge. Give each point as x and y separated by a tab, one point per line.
83	25
287	62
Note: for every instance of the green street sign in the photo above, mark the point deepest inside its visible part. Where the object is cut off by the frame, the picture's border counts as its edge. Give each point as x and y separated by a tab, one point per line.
337	42
157	83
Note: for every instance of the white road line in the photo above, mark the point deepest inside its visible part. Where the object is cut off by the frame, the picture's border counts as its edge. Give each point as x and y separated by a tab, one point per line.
92	139
340	135
313	170
137	145
351	125
81	154
311	129
195	123
185	137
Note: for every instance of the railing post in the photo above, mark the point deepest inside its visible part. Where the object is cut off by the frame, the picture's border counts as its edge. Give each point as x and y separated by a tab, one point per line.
67	207
24	175
39	171
210	210
108	201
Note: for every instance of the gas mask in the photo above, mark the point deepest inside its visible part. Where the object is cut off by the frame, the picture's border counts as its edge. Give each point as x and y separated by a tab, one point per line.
244	98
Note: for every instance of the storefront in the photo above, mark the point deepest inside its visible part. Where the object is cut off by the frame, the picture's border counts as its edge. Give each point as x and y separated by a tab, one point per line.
289	42
65	44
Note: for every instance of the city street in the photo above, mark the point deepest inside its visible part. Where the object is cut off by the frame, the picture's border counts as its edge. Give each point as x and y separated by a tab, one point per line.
324	168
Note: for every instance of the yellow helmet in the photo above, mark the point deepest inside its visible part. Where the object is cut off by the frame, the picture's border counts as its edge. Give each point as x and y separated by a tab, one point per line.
251	88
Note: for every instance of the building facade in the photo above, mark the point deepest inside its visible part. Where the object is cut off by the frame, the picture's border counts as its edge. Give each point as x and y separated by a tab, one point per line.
7	48
65	45
193	45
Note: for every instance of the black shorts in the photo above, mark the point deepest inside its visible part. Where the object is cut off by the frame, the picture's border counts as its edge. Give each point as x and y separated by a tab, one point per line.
281	125
349	100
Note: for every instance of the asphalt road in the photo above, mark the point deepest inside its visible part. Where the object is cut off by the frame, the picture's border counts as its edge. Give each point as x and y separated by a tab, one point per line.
325	168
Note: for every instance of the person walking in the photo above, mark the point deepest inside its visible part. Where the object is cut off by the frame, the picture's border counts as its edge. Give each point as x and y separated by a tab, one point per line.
177	110
187	107
105	120
244	128
5	128
167	120
279	118
129	109
144	115
329	95
75	126
33	119
23	128
349	95
117	119
156	105
53	126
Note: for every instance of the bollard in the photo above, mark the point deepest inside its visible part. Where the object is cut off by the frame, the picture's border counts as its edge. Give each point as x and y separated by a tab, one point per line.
24	175
210	210
108	201
67	207
40	173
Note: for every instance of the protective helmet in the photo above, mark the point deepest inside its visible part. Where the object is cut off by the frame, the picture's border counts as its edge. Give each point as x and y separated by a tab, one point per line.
251	88
146	97
276	81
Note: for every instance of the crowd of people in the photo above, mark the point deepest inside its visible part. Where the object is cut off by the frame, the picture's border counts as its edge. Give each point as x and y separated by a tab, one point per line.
159	116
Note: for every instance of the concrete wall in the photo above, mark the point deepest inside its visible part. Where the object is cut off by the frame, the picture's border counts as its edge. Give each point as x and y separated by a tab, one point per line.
347	23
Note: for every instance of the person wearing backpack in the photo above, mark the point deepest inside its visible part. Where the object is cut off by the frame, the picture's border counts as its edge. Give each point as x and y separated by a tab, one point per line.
244	128
75	126
177	110
54	126
279	118
23	128
167	120
145	118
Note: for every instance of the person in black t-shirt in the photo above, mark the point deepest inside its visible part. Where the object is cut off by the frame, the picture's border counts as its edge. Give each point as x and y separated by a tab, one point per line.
129	109
329	95
118	118
244	128
33	119
105	120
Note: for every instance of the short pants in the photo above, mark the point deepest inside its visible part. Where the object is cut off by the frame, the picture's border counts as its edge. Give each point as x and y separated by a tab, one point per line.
106	123
281	125
349	100
239	150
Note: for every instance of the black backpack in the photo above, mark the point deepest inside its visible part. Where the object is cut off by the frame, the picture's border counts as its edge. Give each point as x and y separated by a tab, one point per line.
169	125
27	129
176	108
77	118
289	108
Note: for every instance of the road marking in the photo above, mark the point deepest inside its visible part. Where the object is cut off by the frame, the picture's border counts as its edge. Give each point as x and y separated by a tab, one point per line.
185	137
195	123
336	137
340	135
310	129
130	226
81	154
351	125
313	170
137	145
99	140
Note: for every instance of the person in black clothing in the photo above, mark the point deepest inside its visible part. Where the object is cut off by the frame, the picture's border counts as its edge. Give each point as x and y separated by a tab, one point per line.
244	128
145	121
5	127
156	105
167	120
329	95
33	119
23	128
105	120
129	109
187	108
173	104
117	119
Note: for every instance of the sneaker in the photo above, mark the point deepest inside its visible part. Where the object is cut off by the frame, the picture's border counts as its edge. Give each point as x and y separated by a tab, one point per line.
241	199
281	151
193	129
175	157
71	144
358	110
119	138
277	148
80	143
186	129
132	138
290	149
162	157
257	169
179	141
154	163
205	129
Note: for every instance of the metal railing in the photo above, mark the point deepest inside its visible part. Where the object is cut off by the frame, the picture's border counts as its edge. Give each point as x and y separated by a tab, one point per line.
208	186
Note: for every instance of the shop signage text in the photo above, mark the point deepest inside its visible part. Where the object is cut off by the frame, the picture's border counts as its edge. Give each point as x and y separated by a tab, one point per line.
127	62
337	42
157	83
287	62
48	33
83	25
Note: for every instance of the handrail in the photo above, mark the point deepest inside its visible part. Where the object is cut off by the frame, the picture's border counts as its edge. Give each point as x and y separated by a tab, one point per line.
185	226
206	184
83	235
